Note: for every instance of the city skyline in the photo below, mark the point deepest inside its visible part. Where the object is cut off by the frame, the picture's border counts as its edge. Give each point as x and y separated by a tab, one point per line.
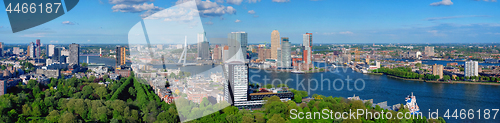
429	21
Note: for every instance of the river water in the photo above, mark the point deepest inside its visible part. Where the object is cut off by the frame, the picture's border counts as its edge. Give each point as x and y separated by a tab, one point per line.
433	96
345	83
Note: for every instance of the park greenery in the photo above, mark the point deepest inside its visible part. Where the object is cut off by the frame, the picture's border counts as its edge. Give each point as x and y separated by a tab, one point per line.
84	100
406	72
276	111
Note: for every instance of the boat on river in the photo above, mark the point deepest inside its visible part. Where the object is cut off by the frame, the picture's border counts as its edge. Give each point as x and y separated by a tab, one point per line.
298	71
411	104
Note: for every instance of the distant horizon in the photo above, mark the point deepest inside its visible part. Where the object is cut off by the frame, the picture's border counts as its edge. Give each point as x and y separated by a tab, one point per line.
422	21
249	43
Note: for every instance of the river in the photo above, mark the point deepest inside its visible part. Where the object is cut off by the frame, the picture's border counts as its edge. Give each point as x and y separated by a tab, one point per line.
382	88
430	96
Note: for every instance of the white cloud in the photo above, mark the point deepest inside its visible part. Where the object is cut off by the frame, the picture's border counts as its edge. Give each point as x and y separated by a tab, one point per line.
209	23
134	8
436	33
253	1
452	17
88	40
210	9
237	21
329	33
34	35
443	2
487	0
219	1
68	23
251	12
150	12
493	33
346	33
234	2
129	1
281	1
183	13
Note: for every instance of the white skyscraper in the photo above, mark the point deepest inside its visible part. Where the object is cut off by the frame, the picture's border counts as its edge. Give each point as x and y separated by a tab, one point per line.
307	48
471	68
50	50
31	50
203	46
16	50
429	51
236	87
284	53
237	37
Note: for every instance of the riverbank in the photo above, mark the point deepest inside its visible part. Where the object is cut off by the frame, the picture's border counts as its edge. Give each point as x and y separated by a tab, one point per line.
465	82
288	70
391	76
446	82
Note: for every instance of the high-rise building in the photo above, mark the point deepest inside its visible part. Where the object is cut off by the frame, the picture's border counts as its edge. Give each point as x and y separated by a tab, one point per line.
1	49
275	44
237	37
120	56
31	50
159	46
367	59
225	53
3	87
216	53
203	46
64	52
38	49
264	53
74	54
471	68
284	59
16	50
429	51
57	54
307	48
437	70
236	87
50	50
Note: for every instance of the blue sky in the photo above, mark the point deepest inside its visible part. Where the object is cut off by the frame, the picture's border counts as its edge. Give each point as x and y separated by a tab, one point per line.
330	21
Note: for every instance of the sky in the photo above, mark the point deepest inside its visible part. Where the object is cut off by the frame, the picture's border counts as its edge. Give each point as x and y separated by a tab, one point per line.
330	21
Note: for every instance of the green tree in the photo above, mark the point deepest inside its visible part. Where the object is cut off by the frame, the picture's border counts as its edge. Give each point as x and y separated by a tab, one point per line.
87	90
53	116
276	119
273	105
132	91
297	98
101	92
85	65
68	117
446	77
269	86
